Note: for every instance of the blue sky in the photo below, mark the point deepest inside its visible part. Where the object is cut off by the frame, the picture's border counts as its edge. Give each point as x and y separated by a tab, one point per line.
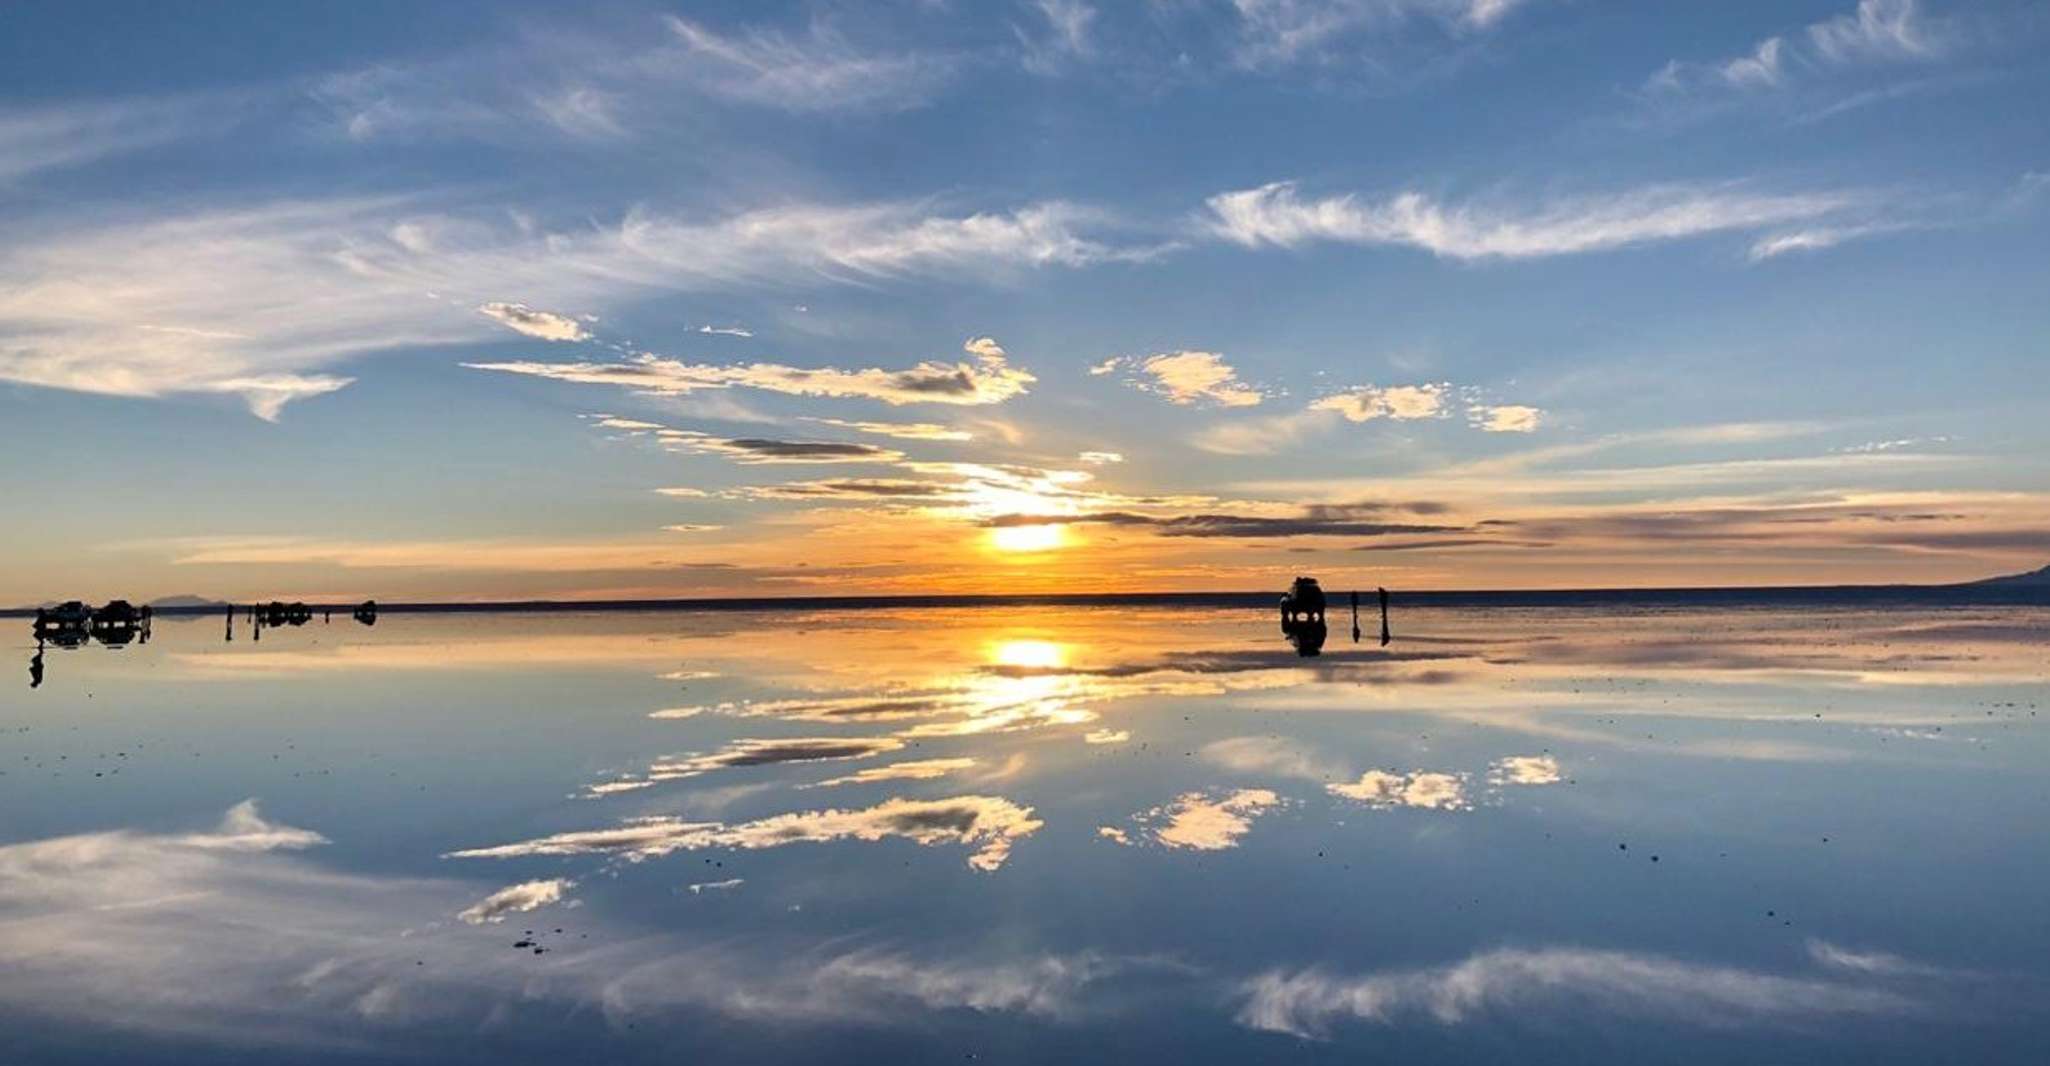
341	299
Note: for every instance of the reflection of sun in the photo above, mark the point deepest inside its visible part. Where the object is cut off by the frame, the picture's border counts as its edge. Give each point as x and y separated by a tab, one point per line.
1028	538
1041	654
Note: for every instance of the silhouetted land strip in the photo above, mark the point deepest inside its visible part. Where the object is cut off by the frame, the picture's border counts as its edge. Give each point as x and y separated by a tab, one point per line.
1986	594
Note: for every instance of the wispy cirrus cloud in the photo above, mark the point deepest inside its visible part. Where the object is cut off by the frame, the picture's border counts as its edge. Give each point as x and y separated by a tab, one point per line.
1876	32
1278	215
1280	32
292	289
820	70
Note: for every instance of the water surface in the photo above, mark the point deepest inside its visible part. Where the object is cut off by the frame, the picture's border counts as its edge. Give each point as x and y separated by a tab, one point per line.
1593	835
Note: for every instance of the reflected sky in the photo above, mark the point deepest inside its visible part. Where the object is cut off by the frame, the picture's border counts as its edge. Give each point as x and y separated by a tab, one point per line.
1029	833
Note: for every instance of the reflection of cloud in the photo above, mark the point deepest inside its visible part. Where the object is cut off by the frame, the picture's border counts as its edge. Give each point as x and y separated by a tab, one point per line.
1270	755
261	950
1429	791
243	829
988	823
516	899
702	887
1307	1002
914	770
1196	820
1525	770
751	752
1107	736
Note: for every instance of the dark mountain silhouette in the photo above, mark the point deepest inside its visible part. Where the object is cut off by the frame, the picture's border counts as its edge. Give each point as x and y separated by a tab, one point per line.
186	600
2032	579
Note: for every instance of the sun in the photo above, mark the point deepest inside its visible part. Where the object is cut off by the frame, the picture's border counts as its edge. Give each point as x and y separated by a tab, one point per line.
1028	538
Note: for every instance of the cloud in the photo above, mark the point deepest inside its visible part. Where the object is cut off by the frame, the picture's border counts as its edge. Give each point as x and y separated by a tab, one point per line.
1322	521
1279	32
1876	32
36	140
900	430
1207	822
516	899
851	489
1275	214
1525	770
725	331
1505	418
111	305
1812	239
546	325
1099	458
990	379
1306	1003
1400	402
818	72
1422	789
1067	37
1194	377
755	451
989	824
915	770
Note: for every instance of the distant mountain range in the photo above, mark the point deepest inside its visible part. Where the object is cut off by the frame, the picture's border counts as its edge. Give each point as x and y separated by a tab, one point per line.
2032	579
186	600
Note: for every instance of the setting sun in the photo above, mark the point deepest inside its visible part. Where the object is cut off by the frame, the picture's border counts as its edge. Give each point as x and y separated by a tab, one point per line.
1028	538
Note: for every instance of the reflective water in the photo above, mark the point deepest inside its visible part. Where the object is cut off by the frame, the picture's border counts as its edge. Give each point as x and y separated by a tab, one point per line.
1025	834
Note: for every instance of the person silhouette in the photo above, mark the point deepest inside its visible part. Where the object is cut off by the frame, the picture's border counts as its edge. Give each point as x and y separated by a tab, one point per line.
1355	616
35	666
1384	619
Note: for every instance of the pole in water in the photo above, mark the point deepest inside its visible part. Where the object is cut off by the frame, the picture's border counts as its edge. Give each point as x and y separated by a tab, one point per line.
1384	617
1355	616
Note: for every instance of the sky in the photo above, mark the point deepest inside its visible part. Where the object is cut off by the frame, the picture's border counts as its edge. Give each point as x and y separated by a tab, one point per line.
475	301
